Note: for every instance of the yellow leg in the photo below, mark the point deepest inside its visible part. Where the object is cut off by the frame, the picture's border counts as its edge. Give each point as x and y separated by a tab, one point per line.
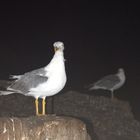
36	106
43	107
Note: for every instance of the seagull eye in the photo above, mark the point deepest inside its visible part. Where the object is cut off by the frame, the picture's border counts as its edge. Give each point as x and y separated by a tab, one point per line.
56	49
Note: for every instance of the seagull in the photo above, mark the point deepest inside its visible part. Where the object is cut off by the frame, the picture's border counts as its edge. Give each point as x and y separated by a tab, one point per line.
42	82
110	82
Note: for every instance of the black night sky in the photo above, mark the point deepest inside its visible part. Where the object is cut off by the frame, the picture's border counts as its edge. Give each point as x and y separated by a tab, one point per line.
99	38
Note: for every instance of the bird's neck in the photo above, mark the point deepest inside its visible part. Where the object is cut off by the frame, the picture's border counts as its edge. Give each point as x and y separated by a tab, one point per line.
58	59
58	53
122	76
58	56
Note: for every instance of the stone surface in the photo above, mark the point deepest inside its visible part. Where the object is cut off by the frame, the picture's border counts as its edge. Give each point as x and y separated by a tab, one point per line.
105	119
42	128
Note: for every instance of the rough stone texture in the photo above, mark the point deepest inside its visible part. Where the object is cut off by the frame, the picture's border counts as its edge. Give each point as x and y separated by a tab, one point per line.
42	128
110	119
105	119
16	105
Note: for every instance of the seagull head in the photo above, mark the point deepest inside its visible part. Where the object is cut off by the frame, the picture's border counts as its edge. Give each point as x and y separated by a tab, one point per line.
121	70
58	46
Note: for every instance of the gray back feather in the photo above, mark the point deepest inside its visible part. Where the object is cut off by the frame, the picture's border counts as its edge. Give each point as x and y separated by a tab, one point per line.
29	80
108	81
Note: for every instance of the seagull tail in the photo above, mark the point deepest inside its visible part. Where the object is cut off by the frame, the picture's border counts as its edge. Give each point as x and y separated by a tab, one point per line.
94	87
5	92
3	87
91	87
14	77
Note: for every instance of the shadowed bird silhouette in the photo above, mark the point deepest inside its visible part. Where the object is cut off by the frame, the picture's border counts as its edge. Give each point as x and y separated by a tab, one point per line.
110	82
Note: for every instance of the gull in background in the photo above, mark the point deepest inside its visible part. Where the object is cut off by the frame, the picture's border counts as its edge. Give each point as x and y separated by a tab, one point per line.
110	82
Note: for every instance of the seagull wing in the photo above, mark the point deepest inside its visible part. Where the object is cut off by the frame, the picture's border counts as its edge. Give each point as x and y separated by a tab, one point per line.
26	82
108	81
39	71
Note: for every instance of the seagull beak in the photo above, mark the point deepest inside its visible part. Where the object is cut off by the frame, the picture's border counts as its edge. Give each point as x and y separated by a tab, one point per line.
56	49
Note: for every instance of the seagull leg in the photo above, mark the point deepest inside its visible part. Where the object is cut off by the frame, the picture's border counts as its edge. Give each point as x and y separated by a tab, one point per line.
43	106
112	95
36	106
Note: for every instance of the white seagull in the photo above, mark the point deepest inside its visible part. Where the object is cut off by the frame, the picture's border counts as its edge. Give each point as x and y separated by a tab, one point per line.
110	82
42	82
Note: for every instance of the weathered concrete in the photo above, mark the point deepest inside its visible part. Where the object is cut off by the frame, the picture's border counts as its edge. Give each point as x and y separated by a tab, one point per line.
49	127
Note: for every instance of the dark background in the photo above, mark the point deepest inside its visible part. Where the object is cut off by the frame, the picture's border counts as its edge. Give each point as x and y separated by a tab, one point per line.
99	38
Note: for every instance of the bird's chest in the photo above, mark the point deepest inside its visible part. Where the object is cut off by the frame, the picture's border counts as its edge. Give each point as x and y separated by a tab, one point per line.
55	83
